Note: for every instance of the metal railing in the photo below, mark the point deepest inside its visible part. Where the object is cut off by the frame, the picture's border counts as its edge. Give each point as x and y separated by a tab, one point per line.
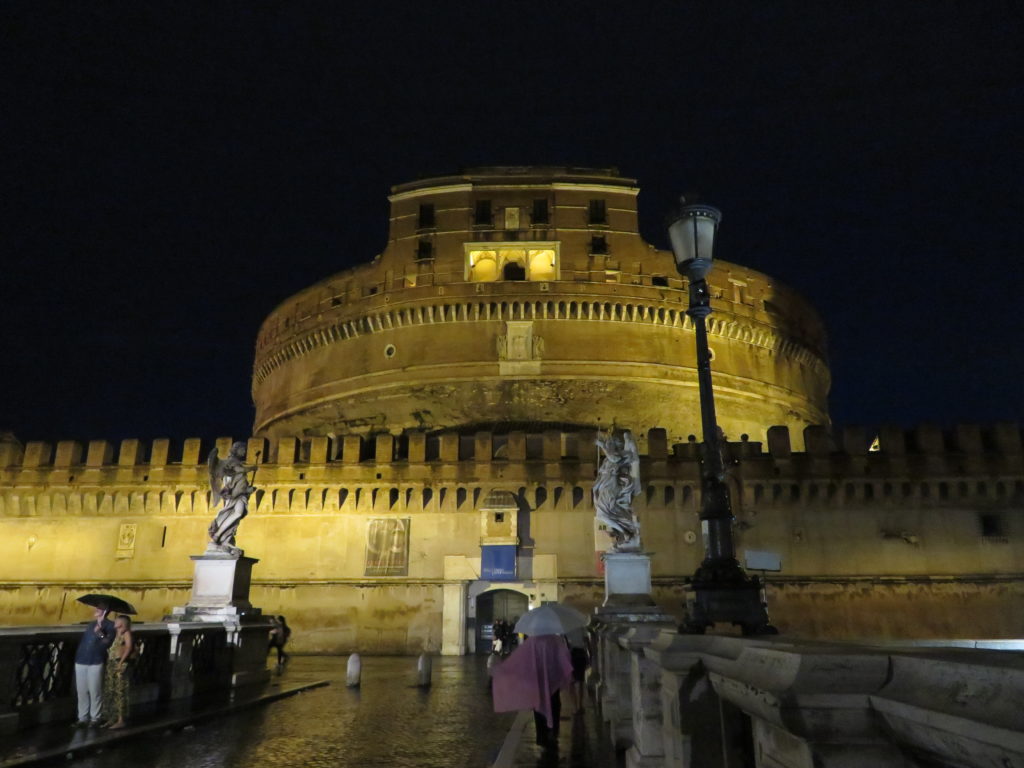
173	661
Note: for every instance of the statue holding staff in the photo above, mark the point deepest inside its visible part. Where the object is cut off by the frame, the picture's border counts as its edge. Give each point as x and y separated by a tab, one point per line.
230	484
617	484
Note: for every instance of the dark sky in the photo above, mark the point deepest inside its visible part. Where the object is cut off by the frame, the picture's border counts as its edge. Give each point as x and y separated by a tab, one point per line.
169	172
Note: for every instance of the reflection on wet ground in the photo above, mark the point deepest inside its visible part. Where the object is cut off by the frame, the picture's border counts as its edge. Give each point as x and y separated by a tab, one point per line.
387	722
583	742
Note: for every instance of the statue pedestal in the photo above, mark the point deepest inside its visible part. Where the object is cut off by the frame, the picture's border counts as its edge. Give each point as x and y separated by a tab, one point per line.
628	620
220	595
220	588
627	575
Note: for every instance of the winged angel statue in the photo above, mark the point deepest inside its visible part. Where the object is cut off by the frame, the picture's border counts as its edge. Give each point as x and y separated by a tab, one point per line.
229	483
617	484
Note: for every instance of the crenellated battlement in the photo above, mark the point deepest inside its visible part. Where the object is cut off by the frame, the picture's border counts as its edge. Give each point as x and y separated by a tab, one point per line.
889	443
922	466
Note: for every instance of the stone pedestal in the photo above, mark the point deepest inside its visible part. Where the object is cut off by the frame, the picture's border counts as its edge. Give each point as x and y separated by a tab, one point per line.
220	588
220	595
624	624
626	574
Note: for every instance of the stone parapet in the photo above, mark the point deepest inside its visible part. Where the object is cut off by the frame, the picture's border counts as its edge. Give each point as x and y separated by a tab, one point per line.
800	704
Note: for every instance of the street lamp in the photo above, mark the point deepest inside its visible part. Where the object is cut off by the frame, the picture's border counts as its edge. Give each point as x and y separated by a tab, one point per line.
720	590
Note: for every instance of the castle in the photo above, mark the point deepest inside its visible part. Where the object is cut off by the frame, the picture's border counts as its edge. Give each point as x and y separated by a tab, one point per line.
425	428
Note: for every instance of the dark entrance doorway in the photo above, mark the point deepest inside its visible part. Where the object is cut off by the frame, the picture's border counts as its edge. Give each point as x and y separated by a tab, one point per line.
491	606
514	271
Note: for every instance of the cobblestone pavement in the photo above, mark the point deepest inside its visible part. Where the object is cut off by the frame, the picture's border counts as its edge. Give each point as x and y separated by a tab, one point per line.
387	722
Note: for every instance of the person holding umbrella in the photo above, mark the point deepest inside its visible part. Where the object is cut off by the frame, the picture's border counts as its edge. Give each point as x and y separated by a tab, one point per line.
535	673
91	654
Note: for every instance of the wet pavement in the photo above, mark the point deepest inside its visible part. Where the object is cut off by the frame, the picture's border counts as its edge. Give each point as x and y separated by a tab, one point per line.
583	742
387	722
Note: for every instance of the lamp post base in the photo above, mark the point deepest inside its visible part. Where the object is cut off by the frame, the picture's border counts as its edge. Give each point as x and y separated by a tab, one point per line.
724	593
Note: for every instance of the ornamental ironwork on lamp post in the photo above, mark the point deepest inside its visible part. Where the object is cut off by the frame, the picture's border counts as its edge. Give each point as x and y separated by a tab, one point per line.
720	590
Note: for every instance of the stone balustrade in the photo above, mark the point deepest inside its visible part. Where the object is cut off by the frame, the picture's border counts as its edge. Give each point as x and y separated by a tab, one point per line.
175	661
693	701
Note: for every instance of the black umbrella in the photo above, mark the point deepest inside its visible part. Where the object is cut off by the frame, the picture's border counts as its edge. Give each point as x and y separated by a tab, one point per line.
108	603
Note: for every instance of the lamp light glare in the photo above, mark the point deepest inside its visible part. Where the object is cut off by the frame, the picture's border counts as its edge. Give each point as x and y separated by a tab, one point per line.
693	238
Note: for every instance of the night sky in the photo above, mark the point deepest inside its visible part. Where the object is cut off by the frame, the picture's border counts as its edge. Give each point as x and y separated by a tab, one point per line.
169	172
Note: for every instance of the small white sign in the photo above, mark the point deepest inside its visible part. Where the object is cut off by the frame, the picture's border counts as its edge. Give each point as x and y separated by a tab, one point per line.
759	560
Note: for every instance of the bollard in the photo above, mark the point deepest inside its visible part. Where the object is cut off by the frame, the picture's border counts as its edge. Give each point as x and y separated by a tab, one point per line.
423	665
353	671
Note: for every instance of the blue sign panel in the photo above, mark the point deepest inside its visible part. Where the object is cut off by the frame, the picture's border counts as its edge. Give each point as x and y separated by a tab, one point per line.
498	562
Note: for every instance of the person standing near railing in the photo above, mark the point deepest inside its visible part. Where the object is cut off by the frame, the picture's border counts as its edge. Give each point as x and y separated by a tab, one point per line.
115	688
89	659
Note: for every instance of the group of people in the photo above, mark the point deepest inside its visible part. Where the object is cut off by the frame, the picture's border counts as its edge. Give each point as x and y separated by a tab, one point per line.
505	637
102	662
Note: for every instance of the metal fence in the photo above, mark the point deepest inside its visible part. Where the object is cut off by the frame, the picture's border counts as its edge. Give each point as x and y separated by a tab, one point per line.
173	661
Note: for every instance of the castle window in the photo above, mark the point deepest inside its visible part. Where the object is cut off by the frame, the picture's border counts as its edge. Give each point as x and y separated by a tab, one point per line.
424	250
483	215
540	212
738	290
426	217
660	280
512	218
991	526
599	244
597	212
488	262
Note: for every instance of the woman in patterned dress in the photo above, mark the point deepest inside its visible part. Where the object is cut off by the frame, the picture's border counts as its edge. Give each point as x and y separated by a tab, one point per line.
115	688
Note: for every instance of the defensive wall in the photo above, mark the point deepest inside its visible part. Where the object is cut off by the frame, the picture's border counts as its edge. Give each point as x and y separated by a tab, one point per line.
920	538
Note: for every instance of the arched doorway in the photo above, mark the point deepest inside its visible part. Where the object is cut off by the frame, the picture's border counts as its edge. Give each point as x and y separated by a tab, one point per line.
493	605
513	271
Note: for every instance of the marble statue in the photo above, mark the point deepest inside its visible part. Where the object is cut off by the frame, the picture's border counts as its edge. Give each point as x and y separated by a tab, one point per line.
617	484
229	483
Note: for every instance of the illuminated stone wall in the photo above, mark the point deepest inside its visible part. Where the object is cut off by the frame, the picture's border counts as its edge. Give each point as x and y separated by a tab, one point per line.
589	325
922	538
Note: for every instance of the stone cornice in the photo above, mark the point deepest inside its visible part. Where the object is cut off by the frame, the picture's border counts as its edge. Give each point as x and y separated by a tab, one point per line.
439	310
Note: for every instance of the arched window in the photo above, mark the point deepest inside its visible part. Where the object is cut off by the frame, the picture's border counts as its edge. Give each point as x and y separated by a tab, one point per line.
483	266
488	262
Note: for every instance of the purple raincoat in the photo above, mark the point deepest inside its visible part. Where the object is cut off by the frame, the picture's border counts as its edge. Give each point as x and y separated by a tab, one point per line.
528	678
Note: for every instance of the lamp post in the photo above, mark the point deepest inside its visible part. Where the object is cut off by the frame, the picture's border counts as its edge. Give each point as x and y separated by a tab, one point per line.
720	590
